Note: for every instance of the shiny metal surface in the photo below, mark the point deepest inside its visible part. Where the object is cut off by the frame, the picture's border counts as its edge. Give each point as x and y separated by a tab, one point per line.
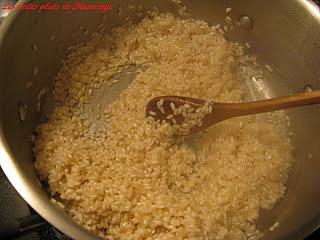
284	35
4	10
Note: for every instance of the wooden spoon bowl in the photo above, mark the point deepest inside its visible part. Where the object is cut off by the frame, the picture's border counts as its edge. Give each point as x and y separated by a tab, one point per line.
223	111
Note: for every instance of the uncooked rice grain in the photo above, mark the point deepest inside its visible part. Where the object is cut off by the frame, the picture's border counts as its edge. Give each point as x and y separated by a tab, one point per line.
132	178
228	9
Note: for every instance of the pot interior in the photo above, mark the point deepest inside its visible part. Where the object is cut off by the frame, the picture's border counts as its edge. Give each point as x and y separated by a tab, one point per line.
283	34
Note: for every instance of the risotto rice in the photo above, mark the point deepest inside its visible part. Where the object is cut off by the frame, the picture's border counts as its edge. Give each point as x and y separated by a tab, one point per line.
133	179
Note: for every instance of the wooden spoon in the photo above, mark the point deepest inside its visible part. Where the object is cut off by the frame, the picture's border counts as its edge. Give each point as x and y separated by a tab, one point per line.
223	111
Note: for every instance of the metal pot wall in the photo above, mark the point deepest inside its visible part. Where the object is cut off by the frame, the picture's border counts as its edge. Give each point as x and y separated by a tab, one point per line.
283	34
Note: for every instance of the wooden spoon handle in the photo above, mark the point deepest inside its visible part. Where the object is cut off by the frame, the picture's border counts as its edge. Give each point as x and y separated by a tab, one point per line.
296	100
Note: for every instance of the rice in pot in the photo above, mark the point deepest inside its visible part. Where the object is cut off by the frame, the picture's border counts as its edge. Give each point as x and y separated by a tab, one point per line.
132	178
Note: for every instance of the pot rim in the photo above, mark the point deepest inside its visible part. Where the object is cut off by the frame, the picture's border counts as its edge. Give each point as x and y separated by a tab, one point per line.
55	216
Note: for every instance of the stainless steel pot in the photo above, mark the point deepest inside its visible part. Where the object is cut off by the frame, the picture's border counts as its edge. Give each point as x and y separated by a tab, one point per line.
284	34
